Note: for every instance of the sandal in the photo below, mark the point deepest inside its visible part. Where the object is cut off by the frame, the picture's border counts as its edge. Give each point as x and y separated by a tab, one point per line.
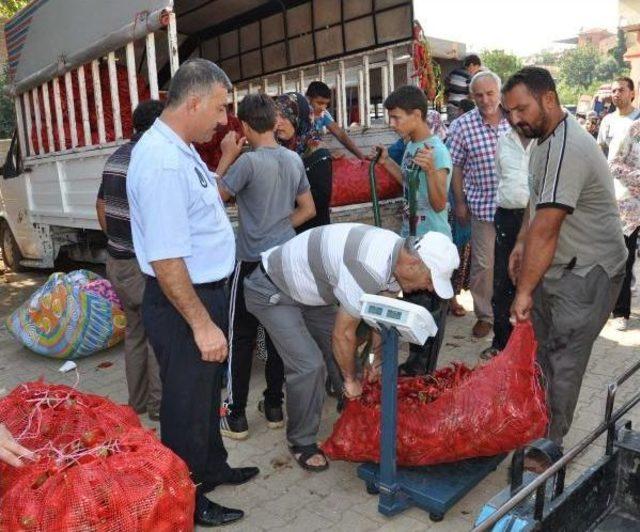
305	452
457	310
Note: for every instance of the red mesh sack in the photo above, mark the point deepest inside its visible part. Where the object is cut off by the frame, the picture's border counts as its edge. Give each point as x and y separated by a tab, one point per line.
210	151
95	467
351	182
455	414
125	108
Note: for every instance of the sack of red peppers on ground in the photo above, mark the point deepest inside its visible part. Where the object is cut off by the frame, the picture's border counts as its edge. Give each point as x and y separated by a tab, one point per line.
95	468
456	413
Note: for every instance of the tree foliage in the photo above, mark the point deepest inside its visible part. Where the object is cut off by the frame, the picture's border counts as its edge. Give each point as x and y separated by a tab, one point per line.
7	118
618	52
578	66
8	8
502	63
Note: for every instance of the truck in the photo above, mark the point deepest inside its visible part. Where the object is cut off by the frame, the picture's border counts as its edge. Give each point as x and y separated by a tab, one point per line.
78	68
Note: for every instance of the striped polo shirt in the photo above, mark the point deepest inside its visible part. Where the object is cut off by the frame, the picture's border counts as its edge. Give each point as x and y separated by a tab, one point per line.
567	170
336	263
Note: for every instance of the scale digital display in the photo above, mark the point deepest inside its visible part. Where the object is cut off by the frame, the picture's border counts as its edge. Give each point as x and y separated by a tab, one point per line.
373	309
394	314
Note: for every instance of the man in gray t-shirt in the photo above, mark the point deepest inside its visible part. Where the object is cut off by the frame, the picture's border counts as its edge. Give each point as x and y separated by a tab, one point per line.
272	192
569	261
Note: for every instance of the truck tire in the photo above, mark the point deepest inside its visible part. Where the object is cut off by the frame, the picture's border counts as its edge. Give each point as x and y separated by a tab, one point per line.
11	255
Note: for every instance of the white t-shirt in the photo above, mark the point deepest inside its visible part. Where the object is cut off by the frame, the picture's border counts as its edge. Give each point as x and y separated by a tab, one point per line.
613	128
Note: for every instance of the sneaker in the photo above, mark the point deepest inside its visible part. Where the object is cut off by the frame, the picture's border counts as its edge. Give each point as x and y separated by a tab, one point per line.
489	353
234	426
620	324
273	415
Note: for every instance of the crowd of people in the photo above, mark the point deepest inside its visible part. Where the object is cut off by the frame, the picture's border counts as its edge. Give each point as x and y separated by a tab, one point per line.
512	198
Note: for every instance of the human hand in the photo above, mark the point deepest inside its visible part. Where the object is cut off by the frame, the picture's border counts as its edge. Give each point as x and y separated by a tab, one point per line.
424	159
211	342
384	153
462	212
231	145
11	451
373	371
515	262
352	388
521	307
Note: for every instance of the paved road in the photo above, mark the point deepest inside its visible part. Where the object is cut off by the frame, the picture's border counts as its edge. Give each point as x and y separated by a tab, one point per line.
285	497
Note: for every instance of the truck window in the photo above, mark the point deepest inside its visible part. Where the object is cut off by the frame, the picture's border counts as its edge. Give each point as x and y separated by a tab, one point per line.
12	165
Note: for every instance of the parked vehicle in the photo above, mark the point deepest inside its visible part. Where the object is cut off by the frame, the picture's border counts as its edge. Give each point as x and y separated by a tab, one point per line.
79	67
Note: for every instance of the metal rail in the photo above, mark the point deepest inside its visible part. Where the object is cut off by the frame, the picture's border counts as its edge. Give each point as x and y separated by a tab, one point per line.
608	425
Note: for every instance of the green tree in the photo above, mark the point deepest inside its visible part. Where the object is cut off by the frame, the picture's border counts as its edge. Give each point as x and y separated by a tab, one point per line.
8	8
502	63
7	118
618	52
578	66
607	70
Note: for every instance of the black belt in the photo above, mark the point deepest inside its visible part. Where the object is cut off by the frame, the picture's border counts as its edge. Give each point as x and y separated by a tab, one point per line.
207	286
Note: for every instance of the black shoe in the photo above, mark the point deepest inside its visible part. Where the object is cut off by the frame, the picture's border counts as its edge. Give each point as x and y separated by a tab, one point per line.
234	426
211	514
235	477
273	414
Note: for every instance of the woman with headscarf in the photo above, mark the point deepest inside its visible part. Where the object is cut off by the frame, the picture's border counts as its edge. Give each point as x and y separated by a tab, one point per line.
295	130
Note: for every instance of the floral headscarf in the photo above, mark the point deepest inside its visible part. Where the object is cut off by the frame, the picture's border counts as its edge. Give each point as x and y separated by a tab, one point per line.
435	123
294	107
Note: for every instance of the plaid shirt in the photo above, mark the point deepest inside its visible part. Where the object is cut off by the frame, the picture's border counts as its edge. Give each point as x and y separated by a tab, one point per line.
472	143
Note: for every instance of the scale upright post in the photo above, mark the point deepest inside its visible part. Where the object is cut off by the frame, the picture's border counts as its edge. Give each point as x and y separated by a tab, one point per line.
391	499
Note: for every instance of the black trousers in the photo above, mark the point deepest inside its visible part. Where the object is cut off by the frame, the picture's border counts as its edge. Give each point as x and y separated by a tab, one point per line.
320	175
508	223
242	338
423	359
190	408
623	305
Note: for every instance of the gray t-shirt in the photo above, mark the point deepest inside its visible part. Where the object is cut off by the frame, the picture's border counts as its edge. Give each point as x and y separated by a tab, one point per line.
567	170
265	183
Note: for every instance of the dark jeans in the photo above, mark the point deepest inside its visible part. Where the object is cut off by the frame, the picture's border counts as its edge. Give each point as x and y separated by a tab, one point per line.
422	359
320	175
190	407
242	337
623	305
507	222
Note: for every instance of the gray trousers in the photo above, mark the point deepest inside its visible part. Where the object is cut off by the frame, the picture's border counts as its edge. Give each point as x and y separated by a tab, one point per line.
141	366
568	315
483	239
302	336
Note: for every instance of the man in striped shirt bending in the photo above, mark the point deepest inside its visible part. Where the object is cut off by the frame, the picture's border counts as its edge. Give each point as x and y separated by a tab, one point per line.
307	295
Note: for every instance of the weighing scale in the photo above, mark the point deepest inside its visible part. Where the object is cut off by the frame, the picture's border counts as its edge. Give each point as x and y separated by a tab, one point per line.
435	489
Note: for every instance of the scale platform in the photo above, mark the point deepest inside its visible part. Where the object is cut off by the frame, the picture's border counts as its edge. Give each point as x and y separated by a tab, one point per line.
434	489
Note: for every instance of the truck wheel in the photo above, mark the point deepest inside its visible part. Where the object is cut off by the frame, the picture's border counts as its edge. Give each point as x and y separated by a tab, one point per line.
11	255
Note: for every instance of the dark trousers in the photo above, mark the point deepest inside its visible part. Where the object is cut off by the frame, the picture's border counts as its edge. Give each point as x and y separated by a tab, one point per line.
422	359
507	222
320	175
190	407
242	337
623	305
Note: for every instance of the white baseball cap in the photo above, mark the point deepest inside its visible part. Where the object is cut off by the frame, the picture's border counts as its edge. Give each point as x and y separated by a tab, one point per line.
441	257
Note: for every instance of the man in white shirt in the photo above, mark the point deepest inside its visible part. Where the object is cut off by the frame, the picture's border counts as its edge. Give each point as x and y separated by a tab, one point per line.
512	171
615	125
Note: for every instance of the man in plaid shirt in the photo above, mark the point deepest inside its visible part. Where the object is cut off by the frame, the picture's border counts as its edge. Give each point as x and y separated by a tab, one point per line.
472	141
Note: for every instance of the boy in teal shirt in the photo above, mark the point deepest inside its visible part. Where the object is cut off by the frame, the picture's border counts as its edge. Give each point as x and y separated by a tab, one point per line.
427	156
